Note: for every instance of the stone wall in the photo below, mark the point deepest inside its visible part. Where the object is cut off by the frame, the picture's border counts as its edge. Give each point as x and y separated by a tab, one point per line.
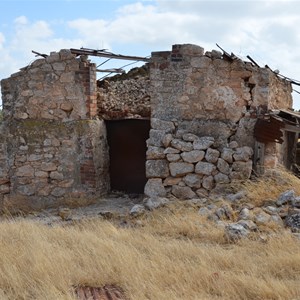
52	147
206	95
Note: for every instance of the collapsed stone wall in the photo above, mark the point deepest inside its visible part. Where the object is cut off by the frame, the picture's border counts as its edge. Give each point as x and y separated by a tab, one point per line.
51	148
125	96
207	95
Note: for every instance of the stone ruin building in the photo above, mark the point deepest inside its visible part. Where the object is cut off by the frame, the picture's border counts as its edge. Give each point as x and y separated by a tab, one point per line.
185	123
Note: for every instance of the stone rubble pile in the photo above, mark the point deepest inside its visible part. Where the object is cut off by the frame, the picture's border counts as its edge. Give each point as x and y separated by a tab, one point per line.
128	98
237	216
188	166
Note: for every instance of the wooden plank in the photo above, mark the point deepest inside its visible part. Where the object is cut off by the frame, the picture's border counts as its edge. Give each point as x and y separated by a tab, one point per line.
102	53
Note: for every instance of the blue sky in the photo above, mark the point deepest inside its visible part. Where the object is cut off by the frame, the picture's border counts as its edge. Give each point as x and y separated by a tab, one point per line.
268	31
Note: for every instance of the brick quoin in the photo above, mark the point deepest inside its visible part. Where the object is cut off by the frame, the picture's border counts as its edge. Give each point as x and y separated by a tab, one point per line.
88	173
88	72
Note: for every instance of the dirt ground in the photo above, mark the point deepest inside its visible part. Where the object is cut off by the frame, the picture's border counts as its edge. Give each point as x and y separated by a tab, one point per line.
117	204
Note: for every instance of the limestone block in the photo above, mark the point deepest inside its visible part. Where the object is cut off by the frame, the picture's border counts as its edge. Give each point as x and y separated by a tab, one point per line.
173	157
203	143
137	210
59	66
181	145
171	150
221	178
223	166
227	155
243	153
41	174
67	77
56	175
155	202
156	137
189	137
58	192
236	231
208	182
34	157
167	140
166	126
193	180
204	168
248	224
154	152
193	156
26	190
178	169
202	192
241	170
212	155
48	166
183	192
155	188
157	168
171	181
233	145
25	171
66	106
287	197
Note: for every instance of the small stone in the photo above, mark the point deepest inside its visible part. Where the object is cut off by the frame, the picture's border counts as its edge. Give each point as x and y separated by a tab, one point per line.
227	155
56	175
155	188
202	192
223	166
167	140
155	202
171	181
233	145
236	231
189	137
158	124
193	156
212	155
243	154
25	171
237	196
192	180
181	145
178	169
293	221
204	168
183	192
155	153
260	217
221	178
196	202
248	224
157	168
58	192
137	210
296	202
286	197
66	106
241	170
48	166
203	143
245	214
173	157
171	150
208	182
203	211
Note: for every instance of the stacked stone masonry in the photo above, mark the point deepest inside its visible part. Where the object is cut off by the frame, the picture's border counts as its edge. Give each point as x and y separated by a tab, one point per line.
207	96
51	147
189	166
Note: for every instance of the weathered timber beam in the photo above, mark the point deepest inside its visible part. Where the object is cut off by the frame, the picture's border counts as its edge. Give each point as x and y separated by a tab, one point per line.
101	53
291	128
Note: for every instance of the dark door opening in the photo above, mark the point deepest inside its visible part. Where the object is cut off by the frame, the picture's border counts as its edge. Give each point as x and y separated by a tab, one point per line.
127	151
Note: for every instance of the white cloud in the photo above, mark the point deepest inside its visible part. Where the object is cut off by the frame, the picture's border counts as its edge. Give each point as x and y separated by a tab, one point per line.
266	30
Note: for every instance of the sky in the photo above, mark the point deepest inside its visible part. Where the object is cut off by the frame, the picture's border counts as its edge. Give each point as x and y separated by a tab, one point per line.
268	31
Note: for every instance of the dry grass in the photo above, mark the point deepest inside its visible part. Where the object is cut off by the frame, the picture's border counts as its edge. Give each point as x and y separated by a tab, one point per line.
171	253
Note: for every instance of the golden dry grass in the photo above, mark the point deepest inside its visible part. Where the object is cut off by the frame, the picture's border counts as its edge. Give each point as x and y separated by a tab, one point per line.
172	253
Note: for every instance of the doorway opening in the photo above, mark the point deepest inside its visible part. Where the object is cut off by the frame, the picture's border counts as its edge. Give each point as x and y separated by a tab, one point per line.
127	151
